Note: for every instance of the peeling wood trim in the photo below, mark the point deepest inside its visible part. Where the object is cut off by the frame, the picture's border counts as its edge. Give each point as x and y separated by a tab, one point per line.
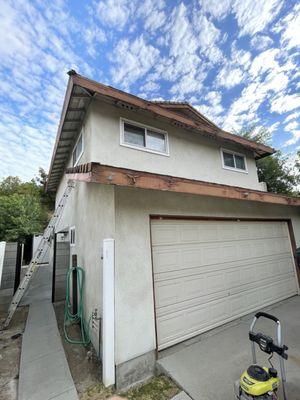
109	175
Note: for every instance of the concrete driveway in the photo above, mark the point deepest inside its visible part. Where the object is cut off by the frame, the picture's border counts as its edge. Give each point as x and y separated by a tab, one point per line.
207	369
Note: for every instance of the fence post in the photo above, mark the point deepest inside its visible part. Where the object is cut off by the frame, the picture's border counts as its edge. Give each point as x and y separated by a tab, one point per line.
18	267
108	313
54	266
2	252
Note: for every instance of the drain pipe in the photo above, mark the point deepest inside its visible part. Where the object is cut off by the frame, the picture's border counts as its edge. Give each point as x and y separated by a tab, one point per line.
108	313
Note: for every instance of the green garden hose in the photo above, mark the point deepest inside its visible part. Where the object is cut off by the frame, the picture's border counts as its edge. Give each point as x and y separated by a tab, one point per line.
70	318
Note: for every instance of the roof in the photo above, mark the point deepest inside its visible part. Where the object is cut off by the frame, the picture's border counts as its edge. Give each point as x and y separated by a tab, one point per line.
109	175
81	90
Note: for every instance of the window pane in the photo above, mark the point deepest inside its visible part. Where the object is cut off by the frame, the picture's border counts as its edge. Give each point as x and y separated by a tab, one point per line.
156	141
228	159
240	162
79	146
134	135
78	149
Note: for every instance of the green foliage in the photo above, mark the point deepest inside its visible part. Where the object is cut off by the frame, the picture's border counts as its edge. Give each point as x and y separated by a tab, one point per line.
24	207
278	175
275	170
261	135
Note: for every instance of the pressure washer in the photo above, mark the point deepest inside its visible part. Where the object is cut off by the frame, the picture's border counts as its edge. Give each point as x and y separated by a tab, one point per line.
262	383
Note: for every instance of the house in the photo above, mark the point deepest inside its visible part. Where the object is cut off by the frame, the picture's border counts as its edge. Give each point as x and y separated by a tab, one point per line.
198	241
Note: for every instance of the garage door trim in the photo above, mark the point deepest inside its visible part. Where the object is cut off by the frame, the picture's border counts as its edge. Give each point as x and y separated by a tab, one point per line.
210	218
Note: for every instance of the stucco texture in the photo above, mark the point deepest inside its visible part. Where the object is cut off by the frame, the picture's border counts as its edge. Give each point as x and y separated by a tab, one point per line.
135	329
191	155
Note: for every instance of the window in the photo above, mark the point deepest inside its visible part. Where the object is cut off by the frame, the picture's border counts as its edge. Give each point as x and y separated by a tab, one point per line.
72	236
143	137
232	160
78	150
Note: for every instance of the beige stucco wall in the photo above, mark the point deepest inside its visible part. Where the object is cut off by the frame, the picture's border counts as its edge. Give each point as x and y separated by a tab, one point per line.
99	211
135	331
191	156
90	208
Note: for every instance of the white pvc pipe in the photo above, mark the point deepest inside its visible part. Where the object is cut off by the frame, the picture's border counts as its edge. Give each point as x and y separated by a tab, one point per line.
108	313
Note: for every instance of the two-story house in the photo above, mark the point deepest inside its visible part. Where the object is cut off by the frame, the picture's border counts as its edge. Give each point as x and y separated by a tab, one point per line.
198	241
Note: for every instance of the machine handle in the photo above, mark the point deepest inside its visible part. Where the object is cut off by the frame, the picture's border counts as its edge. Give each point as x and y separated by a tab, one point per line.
266	315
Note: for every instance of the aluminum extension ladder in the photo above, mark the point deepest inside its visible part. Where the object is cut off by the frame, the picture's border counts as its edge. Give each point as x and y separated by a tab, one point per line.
39	255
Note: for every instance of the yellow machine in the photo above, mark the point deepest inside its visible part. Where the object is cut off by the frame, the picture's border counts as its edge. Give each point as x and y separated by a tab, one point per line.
262	383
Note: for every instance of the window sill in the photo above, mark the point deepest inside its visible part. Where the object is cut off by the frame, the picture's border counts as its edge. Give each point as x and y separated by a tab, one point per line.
160	153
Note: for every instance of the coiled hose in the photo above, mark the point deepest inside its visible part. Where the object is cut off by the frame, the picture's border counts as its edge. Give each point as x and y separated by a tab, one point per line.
70	318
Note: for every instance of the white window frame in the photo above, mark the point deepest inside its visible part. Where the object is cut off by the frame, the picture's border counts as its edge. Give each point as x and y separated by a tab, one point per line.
72	229
146	127
244	171
74	148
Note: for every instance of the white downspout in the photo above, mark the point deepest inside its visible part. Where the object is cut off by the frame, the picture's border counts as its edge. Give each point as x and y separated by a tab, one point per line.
108	313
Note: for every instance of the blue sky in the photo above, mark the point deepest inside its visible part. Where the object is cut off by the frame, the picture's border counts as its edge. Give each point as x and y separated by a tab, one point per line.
237	61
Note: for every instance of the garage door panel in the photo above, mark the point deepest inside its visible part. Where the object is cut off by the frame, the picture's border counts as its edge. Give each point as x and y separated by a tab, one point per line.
194	320
180	301
188	256
209	272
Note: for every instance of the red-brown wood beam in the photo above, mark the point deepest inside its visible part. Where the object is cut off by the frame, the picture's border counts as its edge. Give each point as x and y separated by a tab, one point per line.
94	172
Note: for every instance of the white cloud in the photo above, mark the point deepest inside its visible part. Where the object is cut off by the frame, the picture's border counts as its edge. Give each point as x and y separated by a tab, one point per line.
289	28
230	77
208	35
214	108
183	65
264	62
291	126
187	84
114	12
292	116
181	36
272	128
261	42
254	15
132	60
153	14
218	9
93	36
294	139
150	86
285	102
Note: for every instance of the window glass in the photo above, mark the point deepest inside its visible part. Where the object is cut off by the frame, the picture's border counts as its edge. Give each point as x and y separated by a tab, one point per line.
134	135
156	141
228	159
77	150
239	162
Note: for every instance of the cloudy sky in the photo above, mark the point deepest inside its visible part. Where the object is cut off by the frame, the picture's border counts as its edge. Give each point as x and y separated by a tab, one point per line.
237	61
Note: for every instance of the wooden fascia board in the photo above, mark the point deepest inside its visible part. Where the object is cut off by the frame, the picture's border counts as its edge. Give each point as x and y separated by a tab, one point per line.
163	112
104	174
61	122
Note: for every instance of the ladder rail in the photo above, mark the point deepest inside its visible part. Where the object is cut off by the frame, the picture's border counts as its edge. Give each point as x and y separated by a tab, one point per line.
39	254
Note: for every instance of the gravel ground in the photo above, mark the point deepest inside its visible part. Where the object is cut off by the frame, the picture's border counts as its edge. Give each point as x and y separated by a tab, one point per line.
10	352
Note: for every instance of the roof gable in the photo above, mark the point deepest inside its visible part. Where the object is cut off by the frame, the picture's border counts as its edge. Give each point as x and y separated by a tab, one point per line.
80	91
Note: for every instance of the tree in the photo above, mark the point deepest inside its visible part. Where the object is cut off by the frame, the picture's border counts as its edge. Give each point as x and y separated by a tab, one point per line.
24	207
275	170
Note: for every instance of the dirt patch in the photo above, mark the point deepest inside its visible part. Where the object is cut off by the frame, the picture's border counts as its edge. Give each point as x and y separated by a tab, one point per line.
158	388
84	366
86	372
10	352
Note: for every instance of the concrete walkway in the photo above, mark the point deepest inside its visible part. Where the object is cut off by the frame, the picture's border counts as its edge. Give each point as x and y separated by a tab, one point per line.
207	369
44	371
181	396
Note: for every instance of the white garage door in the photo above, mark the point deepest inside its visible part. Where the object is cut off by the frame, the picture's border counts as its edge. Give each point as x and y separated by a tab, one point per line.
207	273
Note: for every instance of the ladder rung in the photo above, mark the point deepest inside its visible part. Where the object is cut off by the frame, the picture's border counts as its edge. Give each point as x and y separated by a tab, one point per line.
40	253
